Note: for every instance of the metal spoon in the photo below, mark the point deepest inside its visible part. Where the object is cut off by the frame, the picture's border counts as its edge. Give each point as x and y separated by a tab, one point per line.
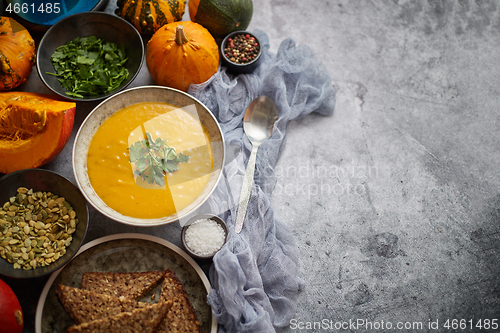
258	123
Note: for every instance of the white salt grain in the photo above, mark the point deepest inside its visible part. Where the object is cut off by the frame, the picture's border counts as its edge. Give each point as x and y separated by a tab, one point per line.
205	237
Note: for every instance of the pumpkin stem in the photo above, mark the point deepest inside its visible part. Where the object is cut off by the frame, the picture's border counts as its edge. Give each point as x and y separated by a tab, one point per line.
180	36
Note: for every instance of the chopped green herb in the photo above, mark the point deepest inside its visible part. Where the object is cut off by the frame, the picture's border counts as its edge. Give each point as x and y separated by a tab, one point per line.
152	158
89	66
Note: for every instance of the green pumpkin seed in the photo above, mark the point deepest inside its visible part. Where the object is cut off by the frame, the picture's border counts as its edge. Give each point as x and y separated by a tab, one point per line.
35	228
22	190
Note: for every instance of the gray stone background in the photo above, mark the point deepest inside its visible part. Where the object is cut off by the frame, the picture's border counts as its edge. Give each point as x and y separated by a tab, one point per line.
394	200
396	206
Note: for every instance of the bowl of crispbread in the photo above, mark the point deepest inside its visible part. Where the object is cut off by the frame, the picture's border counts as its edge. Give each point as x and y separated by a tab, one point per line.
136	282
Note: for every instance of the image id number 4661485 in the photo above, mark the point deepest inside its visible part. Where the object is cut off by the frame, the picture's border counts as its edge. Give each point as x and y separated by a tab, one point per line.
42	8
464	324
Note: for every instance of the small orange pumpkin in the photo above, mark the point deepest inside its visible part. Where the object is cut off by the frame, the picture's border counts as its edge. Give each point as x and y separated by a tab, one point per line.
34	128
17	54
182	53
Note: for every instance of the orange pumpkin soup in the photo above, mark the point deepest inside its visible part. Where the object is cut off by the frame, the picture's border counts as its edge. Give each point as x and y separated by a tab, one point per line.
118	180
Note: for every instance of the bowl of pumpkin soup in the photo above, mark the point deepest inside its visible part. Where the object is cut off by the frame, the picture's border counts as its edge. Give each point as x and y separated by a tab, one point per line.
148	155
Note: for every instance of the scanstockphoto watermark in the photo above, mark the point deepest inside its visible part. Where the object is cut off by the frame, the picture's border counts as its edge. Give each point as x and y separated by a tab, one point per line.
431	325
324	180
355	324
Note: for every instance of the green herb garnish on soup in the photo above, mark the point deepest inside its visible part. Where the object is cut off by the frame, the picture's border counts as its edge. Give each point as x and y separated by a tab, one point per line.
90	66
152	158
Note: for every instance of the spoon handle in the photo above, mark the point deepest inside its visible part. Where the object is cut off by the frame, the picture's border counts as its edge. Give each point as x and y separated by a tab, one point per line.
246	189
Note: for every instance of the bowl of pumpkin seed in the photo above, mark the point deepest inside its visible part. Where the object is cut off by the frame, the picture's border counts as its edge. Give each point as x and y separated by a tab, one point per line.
43	222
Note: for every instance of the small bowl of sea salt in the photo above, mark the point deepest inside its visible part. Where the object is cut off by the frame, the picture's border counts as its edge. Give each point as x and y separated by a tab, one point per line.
204	235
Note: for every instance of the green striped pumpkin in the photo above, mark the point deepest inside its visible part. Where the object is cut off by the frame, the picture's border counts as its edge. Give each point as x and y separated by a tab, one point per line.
150	15
221	17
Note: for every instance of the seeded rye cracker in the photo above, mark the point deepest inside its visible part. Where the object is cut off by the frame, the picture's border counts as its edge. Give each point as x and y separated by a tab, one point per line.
134	285
181	317
84	305
143	320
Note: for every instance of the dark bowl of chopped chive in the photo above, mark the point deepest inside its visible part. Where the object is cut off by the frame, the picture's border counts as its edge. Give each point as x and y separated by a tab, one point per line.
89	56
240	52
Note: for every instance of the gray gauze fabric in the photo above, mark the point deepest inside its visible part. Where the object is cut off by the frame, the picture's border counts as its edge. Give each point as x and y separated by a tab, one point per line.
254	276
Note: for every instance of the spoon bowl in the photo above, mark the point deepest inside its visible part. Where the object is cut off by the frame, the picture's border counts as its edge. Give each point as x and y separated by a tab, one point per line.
259	119
258	123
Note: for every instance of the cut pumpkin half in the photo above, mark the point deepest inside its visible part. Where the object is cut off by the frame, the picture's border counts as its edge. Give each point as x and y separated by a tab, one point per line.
34	128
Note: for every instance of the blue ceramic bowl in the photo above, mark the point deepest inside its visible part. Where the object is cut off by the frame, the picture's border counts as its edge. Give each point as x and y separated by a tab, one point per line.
39	15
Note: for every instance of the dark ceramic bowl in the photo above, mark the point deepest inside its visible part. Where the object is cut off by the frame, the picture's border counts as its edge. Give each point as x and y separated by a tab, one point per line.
45	181
239	68
194	219
109	27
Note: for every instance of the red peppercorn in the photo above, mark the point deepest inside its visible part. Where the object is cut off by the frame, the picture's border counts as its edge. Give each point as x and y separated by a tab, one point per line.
241	48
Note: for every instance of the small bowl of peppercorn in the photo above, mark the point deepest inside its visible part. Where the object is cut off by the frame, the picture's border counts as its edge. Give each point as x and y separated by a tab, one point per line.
241	52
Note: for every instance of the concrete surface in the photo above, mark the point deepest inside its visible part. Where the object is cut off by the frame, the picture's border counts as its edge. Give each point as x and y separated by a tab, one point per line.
396	207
